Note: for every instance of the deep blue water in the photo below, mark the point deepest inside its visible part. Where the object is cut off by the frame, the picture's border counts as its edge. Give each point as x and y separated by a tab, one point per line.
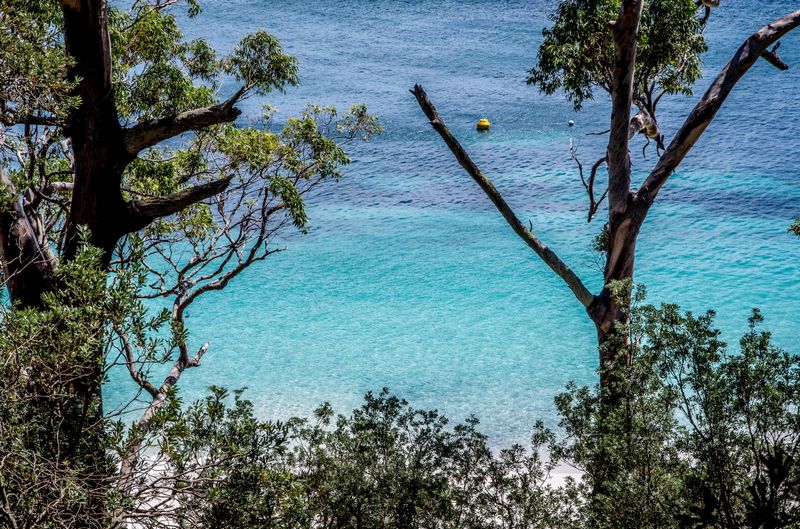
410	279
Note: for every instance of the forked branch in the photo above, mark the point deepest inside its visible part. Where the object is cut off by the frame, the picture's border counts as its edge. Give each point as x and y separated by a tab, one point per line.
588	185
708	106
131	455
545	254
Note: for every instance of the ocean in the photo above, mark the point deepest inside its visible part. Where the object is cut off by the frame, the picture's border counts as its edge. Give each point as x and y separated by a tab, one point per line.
409	279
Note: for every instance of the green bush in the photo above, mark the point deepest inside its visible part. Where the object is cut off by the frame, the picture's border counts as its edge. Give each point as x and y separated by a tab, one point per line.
700	436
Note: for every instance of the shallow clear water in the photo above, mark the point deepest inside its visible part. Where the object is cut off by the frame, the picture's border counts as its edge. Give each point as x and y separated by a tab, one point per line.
409	279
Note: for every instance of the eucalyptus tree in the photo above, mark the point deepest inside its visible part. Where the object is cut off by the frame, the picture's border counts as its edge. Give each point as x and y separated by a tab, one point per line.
126	177
638	52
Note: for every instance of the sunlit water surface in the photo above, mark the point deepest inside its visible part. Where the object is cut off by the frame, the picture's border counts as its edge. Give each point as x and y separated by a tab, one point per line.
409	279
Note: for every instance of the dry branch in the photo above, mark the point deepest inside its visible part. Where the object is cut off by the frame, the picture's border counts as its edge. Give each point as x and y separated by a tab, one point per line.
545	254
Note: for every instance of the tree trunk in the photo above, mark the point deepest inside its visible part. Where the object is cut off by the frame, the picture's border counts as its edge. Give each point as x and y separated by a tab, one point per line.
97	136
97	205
609	313
27	262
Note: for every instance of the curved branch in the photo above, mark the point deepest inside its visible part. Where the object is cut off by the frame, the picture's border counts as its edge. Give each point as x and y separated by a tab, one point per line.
130	363
588	185
149	133
595	204
545	254
772	57
172	379
708	106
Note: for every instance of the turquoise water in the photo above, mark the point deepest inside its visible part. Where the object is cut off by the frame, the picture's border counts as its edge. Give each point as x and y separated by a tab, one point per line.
409	279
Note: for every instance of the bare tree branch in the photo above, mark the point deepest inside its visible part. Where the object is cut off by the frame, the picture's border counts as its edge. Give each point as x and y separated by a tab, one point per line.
131	456
708	106
172	379
149	133
595	204
130	363
589	184
545	254
772	57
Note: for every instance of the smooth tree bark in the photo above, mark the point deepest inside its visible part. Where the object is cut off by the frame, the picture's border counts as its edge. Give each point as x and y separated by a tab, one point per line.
627	207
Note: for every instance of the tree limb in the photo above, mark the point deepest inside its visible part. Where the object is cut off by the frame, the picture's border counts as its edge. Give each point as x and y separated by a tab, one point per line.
546	254
172	379
28	265
772	57
58	187
708	106
588	185
143	212
11	120
130	363
624	31
149	133
595	204
131	455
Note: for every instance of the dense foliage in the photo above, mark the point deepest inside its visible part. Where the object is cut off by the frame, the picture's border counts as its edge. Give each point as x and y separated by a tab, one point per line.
704	436
577	53
698	435
124	177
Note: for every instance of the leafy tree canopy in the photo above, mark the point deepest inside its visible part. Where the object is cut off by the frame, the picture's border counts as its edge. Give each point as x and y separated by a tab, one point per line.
577	53
125	177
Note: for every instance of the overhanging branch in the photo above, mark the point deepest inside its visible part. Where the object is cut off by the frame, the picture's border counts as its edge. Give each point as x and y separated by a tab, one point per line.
545	254
143	212
708	106
149	133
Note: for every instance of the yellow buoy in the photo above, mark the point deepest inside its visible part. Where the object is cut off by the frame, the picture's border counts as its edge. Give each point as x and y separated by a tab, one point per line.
483	124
